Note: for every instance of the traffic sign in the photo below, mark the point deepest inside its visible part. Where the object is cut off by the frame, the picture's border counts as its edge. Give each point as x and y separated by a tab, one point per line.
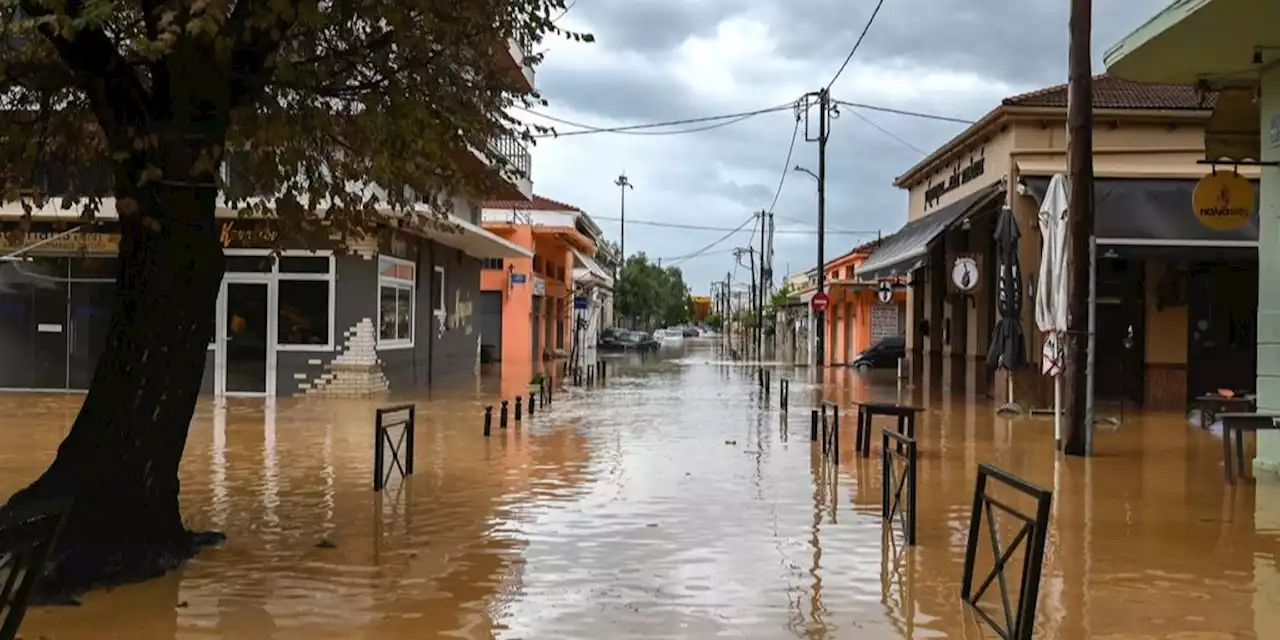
885	292
820	301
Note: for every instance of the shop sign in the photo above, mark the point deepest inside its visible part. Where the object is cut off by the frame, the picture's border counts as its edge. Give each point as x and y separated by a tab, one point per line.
965	270
248	234
885	292
960	176
1223	201
69	243
539	286
519	278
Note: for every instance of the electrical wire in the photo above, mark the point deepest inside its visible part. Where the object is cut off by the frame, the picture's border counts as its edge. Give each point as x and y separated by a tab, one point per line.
901	112
696	254
854	50
717	121
698	227
786	165
890	134
714	244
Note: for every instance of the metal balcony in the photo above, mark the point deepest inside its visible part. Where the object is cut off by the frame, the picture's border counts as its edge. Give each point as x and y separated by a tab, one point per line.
512	57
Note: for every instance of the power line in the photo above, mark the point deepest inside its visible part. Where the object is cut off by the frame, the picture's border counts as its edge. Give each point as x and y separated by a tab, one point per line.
713	244
854	50
639	129
698	227
786	165
901	112
890	134
690	256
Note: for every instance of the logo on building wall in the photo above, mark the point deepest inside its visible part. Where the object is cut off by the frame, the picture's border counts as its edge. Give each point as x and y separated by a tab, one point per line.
965	274
1223	201
462	307
961	174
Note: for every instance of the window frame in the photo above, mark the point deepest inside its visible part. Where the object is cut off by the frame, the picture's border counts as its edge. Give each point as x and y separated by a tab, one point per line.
403	285
273	279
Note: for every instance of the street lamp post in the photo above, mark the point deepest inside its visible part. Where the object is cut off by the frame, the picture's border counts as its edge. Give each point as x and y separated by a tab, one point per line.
623	184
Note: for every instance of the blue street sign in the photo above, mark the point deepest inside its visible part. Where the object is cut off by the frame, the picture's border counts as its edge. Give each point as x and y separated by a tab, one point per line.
518	278
579	302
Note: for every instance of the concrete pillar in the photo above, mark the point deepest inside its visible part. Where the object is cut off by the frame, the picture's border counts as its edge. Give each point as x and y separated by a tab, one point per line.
1269	277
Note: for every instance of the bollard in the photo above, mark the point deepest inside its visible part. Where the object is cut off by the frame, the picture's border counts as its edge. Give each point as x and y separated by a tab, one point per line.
768	382
550	394
519	403
502	416
784	392
813	426
488	420
603	373
531	404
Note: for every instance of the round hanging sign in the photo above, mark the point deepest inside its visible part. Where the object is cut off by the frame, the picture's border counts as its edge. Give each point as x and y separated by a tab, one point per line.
885	292
1223	201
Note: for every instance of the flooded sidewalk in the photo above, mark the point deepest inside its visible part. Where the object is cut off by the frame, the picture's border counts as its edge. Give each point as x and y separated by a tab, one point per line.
674	502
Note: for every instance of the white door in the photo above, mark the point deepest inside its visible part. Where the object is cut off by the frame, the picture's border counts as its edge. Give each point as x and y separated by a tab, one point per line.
245	352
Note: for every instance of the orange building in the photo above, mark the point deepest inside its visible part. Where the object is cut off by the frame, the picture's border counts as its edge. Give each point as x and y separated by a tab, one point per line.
701	308
527	303
856	317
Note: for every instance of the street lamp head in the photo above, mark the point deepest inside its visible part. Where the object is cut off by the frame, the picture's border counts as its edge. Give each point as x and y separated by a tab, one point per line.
623	181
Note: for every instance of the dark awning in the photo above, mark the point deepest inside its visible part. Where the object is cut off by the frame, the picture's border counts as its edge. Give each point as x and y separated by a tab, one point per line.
1154	213
908	249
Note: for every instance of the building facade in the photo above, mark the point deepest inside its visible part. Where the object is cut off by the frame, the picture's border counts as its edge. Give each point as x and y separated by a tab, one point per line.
1175	296
530	318
394	312
1229	46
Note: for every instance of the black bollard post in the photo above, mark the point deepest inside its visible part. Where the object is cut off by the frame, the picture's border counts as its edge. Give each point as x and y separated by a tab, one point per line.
813	426
532	399
784	390
603	373
519	403
502	416
488	420
550	394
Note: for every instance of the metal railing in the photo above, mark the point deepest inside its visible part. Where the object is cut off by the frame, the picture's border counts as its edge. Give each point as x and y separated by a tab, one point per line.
385	420
895	486
515	152
27	536
1018	621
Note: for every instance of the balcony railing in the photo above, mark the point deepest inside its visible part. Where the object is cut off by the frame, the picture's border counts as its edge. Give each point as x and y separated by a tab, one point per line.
515	152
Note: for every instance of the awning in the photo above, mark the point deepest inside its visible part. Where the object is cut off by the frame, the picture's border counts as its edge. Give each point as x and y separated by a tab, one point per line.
908	249
475	241
1154	213
592	267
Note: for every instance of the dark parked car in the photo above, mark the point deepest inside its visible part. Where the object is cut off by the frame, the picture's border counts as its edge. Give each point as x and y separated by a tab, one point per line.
624	340
882	355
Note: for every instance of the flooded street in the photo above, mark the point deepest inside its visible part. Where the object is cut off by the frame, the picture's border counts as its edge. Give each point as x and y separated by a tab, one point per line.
668	504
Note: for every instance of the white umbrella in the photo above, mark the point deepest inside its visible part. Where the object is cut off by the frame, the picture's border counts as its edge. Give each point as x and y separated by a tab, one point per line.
1051	290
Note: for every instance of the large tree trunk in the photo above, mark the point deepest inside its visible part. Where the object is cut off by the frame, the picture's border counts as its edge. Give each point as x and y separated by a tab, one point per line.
120	460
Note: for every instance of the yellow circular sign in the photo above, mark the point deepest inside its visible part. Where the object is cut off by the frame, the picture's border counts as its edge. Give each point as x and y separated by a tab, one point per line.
1223	201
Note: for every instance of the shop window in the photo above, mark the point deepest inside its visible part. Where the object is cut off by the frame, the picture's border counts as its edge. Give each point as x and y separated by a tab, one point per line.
304	264
395	302
437	290
250	264
303	312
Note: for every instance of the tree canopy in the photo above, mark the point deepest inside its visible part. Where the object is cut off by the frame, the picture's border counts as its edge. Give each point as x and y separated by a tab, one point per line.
650	294
316	98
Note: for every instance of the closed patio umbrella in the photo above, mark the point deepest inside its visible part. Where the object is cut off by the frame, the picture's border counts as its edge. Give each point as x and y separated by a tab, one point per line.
1008	350
1051	294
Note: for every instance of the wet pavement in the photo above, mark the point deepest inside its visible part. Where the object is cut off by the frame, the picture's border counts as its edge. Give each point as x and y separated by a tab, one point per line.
668	504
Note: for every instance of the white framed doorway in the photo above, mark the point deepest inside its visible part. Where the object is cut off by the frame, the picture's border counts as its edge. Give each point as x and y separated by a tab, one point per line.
245	336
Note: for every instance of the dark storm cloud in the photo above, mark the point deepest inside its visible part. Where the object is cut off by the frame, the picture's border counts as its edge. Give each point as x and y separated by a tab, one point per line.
1016	45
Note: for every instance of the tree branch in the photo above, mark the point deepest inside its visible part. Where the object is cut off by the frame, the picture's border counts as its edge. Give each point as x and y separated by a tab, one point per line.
257	30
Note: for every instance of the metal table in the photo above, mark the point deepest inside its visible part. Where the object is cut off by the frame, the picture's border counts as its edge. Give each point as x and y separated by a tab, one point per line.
1212	404
1238	423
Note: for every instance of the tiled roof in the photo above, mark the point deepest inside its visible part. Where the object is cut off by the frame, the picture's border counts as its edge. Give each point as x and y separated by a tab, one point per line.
1115	93
538	203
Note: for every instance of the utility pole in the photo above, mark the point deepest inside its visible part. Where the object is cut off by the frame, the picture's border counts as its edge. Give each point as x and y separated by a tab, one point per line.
1078	425
623	184
820	317
764	270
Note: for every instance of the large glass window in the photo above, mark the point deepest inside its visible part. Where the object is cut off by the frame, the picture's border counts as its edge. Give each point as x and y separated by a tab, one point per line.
396	280
304	314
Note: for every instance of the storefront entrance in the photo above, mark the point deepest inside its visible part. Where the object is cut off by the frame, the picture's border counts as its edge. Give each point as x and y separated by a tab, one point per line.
1222	305
245	345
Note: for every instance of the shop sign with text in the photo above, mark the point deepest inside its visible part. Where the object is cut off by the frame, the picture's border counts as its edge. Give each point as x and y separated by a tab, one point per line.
961	174
75	243
1223	201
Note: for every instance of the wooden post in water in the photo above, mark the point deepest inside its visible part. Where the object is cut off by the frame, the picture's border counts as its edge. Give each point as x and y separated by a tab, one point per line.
1077	425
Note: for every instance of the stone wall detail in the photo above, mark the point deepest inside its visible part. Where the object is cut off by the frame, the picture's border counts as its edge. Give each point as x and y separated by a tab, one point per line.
354	373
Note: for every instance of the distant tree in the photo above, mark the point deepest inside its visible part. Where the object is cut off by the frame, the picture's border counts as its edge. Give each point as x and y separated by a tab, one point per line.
155	96
649	294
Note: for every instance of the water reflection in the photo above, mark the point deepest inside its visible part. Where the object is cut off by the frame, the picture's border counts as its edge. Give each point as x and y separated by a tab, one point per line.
677	501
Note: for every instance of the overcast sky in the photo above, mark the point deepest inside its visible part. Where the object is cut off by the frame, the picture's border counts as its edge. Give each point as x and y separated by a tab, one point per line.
658	60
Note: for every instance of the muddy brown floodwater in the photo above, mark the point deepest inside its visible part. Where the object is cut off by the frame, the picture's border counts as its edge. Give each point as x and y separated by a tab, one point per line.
669	504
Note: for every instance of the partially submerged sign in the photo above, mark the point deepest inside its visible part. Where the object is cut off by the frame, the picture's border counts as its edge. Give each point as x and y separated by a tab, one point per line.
1223	201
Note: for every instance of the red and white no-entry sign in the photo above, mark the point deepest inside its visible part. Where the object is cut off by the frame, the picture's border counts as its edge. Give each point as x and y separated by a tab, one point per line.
820	301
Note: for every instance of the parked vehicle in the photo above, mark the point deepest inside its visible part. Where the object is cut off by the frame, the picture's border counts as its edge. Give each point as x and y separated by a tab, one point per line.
669	336
624	340
882	355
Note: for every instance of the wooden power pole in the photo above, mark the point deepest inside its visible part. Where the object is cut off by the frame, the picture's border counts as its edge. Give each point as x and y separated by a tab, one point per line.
1077	425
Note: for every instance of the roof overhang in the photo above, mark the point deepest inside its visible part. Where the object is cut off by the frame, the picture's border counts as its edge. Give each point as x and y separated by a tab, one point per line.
591	269
1199	41
908	249
475	241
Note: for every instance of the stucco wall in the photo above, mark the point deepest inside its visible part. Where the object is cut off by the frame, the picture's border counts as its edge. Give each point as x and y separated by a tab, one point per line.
453	337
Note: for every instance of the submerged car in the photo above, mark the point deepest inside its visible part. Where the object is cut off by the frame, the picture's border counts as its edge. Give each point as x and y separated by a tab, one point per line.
882	355
624	340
